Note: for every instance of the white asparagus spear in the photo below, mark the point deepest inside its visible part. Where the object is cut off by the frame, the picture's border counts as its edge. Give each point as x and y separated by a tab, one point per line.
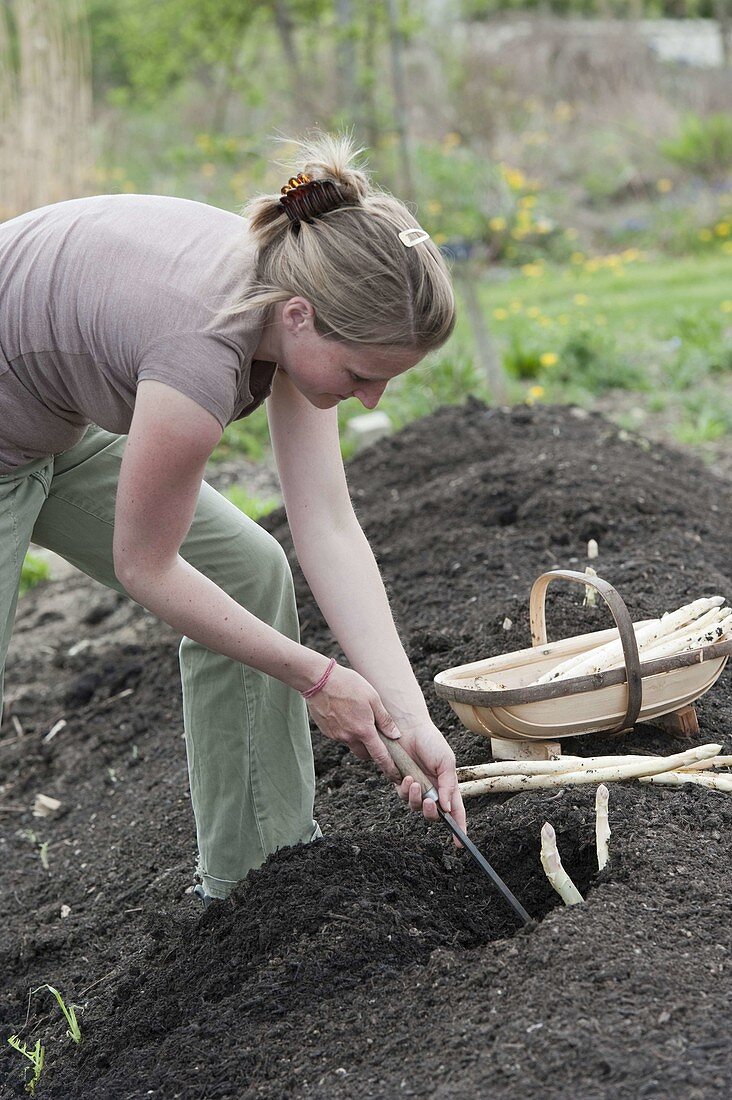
575	665
680	643
552	865
572	763
713	762
590	593
650	765
544	767
611	653
602	825
652	642
704	622
701	779
717	628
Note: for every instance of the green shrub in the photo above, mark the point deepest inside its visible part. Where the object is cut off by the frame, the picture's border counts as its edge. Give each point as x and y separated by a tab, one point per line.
590	358
522	357
707	417
702	144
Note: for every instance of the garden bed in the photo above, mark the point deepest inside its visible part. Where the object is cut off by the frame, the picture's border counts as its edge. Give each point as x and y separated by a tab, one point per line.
376	963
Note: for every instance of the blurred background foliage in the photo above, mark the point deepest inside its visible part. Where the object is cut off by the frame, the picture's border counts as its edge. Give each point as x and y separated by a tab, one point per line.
573	158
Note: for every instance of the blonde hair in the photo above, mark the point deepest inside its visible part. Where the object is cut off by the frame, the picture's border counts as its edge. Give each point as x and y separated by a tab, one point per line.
365	285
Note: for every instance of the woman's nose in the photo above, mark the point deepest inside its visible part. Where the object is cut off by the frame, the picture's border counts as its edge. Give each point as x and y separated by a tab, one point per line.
370	395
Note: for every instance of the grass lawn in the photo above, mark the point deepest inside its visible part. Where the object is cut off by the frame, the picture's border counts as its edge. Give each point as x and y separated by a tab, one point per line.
637	294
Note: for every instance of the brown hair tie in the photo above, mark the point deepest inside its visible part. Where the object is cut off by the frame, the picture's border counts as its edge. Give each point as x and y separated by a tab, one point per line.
304	198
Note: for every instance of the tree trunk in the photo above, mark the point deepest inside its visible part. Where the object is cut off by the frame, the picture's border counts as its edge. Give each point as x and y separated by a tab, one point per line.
723	15
368	81
401	123
298	79
466	276
346	59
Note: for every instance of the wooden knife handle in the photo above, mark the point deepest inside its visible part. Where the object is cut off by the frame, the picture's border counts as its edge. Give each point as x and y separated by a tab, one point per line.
407	766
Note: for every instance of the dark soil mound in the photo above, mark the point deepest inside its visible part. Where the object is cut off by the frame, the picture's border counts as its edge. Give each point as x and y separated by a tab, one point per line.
376	962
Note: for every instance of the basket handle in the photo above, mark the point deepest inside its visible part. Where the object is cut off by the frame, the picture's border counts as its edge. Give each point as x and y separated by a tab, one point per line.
537	616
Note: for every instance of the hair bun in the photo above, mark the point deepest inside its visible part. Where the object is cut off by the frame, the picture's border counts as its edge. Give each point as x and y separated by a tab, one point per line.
331	157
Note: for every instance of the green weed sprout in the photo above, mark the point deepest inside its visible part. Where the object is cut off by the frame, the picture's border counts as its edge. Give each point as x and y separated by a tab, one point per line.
34	570
254	507
74	1031
35	1057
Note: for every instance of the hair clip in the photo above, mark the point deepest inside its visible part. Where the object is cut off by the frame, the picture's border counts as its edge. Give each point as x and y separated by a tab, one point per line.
410	237
304	198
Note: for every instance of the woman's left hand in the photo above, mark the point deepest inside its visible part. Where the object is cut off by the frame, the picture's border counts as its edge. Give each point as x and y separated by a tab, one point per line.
428	748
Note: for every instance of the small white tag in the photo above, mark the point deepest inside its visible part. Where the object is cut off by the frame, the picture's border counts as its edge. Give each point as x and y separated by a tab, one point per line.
410	237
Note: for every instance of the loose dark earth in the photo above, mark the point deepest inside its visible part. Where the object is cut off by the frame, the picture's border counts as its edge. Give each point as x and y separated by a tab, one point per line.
377	963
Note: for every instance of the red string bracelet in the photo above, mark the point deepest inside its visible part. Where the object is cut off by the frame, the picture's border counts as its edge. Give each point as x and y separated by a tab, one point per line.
321	682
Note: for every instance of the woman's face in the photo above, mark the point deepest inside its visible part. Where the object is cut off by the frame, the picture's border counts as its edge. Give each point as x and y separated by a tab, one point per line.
327	371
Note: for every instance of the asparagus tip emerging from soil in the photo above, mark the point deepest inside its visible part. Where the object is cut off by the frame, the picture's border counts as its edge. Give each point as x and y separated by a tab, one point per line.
552	865
602	825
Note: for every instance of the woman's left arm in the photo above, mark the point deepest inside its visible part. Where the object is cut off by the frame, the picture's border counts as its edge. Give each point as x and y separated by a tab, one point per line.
340	568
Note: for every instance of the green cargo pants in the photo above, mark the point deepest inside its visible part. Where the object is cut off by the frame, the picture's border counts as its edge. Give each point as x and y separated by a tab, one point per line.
247	737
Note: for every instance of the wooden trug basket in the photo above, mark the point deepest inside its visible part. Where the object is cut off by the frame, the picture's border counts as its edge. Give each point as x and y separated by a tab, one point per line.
526	720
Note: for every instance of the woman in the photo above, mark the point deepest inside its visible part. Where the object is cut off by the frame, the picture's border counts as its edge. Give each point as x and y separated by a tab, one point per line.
133	329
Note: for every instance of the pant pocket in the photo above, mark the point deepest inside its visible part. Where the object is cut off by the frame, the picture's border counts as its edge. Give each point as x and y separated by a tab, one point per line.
43	477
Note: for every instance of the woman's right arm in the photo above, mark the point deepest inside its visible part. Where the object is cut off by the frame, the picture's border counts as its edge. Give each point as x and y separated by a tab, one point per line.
170	440
169	443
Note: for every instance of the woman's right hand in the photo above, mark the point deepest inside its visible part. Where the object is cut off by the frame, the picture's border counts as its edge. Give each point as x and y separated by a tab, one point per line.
348	709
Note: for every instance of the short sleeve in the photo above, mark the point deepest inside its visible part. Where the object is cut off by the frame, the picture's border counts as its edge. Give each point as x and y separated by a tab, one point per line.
200	365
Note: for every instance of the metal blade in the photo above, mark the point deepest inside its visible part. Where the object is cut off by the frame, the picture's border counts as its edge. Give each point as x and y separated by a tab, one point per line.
484	865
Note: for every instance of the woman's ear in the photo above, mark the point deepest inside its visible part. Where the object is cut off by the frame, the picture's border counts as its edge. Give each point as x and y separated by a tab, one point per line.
298	316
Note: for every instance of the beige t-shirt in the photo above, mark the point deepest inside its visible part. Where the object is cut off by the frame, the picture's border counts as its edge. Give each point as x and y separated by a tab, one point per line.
99	293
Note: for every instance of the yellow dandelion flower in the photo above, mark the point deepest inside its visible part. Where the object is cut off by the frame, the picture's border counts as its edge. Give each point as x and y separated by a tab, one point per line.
591	266
514	177
722	229
548	358
577	257
563	112
500	314
439	238
451	141
726	307
580	299
534	271
533	311
663	186
516	306
497	224
631	254
535	393
705	234
203	141
434	207
527	201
